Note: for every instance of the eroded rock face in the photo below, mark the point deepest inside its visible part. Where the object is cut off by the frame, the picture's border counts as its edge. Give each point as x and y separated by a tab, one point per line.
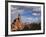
17	25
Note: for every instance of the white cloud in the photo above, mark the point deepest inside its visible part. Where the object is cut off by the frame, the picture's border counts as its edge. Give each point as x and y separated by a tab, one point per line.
36	14
20	11
26	19
29	18
16	11
37	9
13	8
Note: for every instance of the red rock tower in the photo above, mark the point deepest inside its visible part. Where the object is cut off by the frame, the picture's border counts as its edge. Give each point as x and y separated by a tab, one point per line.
17	24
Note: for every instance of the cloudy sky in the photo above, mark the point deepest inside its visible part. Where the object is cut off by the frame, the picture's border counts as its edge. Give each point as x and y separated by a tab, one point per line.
28	13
